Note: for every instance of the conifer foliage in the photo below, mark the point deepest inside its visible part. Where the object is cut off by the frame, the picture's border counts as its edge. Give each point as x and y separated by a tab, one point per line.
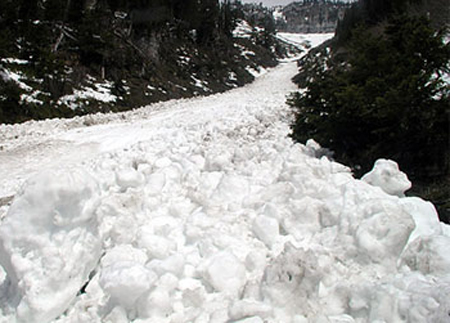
67	43
387	99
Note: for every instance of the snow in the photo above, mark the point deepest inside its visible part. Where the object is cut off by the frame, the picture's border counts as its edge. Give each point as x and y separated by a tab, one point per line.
204	210
256	71
300	40
278	14
386	175
17	61
243	30
17	77
97	91
49	243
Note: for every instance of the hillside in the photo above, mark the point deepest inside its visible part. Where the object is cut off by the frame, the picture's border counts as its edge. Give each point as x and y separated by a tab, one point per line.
63	59
310	16
380	89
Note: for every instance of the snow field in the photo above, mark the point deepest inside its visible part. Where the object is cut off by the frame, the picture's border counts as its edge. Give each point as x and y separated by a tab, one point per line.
207	212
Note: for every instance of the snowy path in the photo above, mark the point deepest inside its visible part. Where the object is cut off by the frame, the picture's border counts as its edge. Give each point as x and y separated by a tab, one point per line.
30	148
203	210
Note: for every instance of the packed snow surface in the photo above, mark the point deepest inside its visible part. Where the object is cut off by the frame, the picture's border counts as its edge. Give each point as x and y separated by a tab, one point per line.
204	210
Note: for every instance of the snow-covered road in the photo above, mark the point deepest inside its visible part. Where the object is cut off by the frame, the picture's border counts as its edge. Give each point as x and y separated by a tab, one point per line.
203	210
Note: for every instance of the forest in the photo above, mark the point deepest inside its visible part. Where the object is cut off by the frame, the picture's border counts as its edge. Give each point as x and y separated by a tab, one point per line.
380	91
55	49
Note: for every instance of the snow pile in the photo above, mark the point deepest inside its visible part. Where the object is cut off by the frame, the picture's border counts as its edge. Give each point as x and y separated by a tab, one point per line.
49	244
208	212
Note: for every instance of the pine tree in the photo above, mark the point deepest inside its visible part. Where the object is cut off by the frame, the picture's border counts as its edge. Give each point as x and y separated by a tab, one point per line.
387	101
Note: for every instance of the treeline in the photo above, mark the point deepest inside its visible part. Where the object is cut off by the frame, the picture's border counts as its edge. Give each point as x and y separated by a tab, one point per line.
380	91
372	12
55	47
209	18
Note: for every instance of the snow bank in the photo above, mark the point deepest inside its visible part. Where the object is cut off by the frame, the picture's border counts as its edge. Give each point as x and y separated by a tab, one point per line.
49	244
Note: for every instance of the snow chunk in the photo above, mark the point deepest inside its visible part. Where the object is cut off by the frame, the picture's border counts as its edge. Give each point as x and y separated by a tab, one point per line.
126	281
247	308
429	255
156	246
124	253
425	216
49	243
225	273
266	229
254	319
129	177
384	234
242	30
386	175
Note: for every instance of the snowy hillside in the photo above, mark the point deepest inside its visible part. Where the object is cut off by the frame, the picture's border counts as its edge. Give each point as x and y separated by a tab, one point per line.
203	210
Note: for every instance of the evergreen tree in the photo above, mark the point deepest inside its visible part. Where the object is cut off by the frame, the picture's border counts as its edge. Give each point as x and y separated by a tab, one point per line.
209	20
388	101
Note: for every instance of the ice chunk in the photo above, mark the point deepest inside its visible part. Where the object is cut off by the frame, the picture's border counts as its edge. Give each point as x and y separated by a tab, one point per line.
49	243
386	175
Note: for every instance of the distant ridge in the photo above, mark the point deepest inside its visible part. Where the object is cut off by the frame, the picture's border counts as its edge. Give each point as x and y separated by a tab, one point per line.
310	16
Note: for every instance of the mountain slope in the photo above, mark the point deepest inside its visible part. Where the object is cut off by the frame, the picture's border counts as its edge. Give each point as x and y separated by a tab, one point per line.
204	210
66	58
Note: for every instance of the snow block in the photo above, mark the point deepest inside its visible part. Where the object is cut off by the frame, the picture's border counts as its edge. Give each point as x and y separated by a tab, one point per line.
247	308
126	281
225	273
429	255
383	235
129	177
49	243
425	216
291	277
266	229
386	175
